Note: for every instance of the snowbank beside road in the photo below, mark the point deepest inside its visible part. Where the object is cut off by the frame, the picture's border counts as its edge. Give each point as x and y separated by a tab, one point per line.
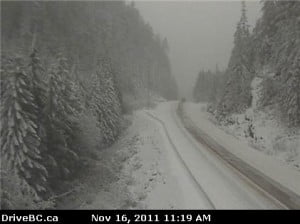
275	169
262	130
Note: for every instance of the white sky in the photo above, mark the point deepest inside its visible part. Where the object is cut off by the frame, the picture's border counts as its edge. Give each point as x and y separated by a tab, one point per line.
200	33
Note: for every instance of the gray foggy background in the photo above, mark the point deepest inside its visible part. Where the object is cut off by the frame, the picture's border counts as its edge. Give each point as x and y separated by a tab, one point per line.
200	33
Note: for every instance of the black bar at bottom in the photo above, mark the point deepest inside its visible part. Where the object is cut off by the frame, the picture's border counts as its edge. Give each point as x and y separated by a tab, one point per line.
148	216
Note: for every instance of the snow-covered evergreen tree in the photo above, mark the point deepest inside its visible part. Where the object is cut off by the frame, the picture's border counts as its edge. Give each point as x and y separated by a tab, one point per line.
277	47
290	96
19	131
61	111
105	101
237	95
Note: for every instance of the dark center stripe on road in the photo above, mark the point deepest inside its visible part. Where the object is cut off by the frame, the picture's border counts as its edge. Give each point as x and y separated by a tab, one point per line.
284	195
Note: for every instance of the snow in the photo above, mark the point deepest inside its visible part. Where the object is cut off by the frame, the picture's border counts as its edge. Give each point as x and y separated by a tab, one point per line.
225	188
275	169
269	135
140	171
158	178
163	167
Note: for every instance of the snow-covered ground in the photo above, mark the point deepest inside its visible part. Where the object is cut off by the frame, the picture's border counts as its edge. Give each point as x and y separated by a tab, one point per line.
264	132
276	169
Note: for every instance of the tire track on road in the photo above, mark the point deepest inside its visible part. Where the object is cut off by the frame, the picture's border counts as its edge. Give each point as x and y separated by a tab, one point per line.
194	180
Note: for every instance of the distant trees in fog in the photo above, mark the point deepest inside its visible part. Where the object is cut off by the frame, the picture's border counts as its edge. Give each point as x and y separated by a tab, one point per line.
208	85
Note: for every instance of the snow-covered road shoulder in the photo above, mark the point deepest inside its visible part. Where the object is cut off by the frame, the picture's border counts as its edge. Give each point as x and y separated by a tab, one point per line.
150	181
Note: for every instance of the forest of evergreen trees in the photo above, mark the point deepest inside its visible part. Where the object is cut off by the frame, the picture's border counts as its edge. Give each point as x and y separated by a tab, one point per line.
62	62
273	47
207	87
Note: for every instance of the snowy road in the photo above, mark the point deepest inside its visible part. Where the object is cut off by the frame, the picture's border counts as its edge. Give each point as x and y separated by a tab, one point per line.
213	182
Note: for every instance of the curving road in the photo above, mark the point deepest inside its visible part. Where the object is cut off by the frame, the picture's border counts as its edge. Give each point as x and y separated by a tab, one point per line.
217	183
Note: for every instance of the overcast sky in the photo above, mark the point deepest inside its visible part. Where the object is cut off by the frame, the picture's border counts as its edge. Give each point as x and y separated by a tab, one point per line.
200	33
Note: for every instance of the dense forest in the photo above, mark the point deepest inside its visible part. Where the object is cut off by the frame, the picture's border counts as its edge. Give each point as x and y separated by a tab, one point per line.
70	69
271	51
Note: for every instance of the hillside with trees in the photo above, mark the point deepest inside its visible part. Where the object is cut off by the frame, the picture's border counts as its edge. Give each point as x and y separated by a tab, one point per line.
68	69
270	52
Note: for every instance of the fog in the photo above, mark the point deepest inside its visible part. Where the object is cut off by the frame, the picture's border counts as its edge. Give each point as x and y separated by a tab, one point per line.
200	33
